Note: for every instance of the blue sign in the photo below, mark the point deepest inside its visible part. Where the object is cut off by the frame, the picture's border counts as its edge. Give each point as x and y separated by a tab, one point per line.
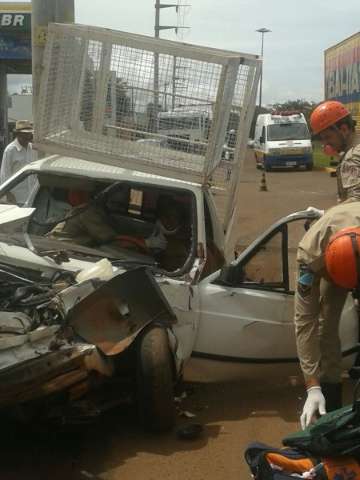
15	47
15	33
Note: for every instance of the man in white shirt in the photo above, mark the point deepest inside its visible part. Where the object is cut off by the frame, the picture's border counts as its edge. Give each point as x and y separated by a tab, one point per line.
17	155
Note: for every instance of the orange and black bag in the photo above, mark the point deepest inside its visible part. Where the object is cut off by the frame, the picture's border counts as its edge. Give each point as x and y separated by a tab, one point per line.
267	463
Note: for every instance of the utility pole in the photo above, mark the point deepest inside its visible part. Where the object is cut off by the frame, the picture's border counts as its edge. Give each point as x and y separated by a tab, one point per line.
262	31
174	78
43	13
3	108
158	28
154	112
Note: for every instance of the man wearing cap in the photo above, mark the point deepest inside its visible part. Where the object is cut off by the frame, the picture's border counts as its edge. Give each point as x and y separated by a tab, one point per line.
17	155
332	122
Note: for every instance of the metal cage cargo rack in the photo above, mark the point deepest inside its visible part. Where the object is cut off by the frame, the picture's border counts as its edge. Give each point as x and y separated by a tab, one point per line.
153	105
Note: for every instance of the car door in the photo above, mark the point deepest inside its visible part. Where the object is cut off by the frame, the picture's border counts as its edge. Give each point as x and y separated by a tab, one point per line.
246	320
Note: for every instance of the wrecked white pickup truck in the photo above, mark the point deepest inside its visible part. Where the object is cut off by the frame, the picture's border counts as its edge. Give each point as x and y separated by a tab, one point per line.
135	329
163	302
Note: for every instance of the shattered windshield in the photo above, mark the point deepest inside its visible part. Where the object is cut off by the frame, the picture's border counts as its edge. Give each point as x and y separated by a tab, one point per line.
122	221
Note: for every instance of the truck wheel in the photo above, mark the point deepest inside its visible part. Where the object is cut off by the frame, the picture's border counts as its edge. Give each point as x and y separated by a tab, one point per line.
309	166
155	389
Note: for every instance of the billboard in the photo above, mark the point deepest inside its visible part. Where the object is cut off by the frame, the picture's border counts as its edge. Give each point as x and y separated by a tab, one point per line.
15	31
342	74
342	70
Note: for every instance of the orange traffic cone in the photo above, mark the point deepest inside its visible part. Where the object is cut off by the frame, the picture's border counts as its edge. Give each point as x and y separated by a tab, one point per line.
263	186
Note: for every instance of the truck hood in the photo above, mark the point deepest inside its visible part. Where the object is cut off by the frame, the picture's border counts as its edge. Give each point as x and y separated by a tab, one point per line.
48	255
15	255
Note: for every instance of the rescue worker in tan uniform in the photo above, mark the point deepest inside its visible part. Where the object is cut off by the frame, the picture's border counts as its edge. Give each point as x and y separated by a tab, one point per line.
318	301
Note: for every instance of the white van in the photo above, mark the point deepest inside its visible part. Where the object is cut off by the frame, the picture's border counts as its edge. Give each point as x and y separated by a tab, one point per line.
282	140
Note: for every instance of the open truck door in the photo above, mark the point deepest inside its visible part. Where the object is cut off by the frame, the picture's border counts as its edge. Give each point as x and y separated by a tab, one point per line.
246	326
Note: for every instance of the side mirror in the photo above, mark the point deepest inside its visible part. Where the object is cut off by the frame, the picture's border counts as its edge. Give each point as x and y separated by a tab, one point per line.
231	275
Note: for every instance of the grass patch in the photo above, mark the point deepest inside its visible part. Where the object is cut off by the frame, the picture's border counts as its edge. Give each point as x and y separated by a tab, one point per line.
320	159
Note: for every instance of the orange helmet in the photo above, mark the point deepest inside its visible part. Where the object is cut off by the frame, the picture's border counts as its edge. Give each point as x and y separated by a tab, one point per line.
342	257
327	114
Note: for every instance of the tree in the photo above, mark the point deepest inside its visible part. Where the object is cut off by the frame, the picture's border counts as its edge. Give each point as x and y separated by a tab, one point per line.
299	105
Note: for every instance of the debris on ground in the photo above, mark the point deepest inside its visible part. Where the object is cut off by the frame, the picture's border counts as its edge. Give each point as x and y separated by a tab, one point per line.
192	431
186	414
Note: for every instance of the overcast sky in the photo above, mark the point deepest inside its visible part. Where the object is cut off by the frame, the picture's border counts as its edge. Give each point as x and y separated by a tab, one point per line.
293	51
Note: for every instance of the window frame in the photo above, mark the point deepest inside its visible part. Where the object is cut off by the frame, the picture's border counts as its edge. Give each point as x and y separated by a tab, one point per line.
233	271
282	286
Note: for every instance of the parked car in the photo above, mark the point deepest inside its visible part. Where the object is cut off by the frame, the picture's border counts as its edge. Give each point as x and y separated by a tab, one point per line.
141	327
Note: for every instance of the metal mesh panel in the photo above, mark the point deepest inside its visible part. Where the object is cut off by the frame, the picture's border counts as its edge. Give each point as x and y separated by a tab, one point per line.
143	103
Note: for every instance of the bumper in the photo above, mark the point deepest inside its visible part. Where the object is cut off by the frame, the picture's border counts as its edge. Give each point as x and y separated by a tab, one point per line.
288	161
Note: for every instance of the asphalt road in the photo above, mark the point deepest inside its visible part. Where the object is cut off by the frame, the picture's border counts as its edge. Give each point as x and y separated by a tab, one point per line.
116	448
288	191
233	415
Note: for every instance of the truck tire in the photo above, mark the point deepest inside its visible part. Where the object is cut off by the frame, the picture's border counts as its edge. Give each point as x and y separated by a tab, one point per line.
155	385
309	166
